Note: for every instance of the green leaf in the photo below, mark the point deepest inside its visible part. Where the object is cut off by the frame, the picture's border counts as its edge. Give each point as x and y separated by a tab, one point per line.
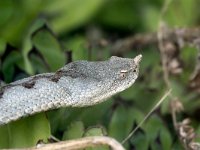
150	18
152	127
126	18
77	45
72	14
166	139
156	131
14	58
184	13
2	46
63	116
25	132
99	112
74	131
49	47
38	64
4	140
27	45
16	19
6	8
121	123
140	141
197	132
96	131
189	56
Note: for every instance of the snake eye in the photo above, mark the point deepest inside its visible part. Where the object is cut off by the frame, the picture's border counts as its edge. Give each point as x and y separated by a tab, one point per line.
123	73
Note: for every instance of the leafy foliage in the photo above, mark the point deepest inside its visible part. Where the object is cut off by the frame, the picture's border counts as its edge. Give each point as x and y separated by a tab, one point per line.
39	36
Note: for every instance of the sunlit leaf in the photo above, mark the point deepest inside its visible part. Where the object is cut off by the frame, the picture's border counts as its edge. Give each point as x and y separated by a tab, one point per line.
72	13
27	45
49	47
96	131
75	130
78	47
184	13
25	132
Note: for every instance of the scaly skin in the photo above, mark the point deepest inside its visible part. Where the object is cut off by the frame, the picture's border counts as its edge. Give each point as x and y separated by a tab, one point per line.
77	84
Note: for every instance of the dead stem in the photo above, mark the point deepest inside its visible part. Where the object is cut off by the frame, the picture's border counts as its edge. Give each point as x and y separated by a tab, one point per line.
145	118
81	143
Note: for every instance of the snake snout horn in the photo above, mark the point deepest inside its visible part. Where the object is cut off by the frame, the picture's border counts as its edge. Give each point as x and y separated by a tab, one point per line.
137	59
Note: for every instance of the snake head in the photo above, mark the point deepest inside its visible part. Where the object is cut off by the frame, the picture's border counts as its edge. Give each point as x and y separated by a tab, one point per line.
102	79
124	71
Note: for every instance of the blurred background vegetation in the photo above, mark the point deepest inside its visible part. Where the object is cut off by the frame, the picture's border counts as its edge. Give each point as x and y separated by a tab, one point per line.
39	36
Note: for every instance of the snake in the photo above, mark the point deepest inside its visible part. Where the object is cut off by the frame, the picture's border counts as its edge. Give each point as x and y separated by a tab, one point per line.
78	84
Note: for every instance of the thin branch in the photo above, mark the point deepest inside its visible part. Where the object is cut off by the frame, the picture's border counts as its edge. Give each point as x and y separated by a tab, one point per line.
180	36
164	58
160	36
80	144
145	118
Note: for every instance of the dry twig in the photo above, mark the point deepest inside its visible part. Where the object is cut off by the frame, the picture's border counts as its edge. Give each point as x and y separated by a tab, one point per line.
178	36
145	118
170	57
80	144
